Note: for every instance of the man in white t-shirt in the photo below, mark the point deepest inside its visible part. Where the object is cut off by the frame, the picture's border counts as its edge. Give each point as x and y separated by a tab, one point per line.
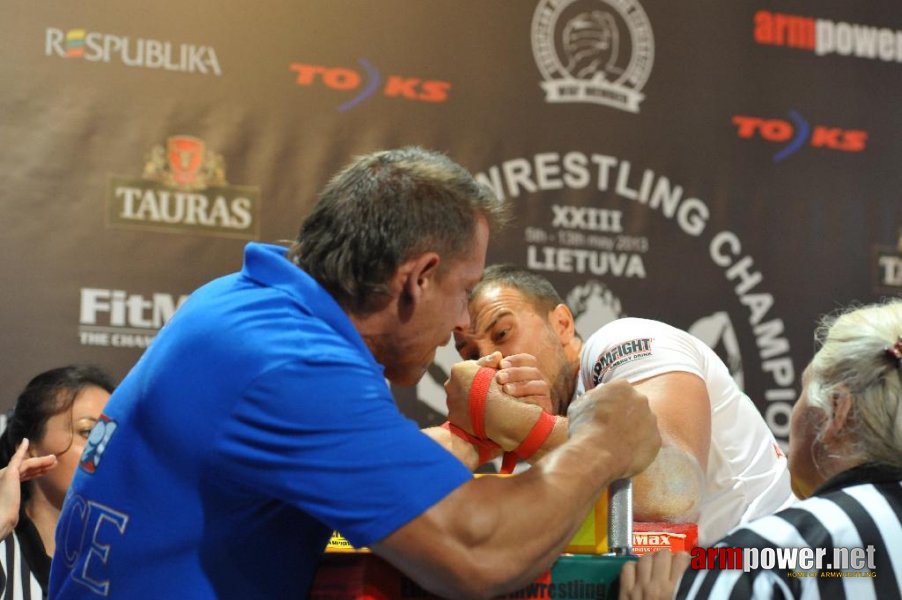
720	465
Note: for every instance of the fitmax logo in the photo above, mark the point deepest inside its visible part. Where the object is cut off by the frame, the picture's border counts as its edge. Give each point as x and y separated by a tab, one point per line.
117	318
797	132
369	83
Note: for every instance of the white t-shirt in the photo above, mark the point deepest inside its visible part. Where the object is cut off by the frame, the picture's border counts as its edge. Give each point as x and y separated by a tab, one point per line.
747	474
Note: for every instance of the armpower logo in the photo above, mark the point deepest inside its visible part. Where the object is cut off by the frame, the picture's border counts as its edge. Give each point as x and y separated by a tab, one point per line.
594	51
184	190
363	86
824	37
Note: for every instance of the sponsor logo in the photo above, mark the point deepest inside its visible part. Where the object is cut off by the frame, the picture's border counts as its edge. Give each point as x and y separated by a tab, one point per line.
595	51
184	190
368	81
888	271
824	37
97	444
797	132
844	562
93	46
117	318
619	354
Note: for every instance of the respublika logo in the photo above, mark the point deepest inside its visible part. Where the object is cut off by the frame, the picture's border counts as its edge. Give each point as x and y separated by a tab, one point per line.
108	48
118	318
823	36
184	190
368	81
798	132
596	51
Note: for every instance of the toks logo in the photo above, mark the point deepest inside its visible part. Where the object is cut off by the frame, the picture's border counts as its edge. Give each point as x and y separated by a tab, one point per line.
348	80
184	190
596	51
797	132
137	52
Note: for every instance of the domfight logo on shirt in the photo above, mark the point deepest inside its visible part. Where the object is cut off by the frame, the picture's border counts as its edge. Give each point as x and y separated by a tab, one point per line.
619	354
184	190
824	37
94	46
595	51
360	85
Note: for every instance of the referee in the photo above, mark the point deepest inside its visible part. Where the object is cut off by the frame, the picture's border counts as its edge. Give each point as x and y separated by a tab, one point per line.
845	457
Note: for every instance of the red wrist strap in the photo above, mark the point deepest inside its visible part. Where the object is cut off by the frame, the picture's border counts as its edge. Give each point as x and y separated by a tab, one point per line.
485	448
531	443
536	436
478	392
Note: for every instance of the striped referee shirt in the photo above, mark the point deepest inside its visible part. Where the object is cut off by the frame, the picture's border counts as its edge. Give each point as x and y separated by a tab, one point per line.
858	508
24	564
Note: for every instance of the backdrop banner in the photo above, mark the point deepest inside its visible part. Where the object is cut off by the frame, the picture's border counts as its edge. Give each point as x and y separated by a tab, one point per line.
728	168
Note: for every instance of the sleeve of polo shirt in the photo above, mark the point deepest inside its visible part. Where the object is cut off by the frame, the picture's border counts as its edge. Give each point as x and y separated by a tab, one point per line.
329	439
637	349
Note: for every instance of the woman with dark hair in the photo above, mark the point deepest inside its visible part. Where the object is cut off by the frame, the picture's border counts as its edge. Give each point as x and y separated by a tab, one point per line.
55	413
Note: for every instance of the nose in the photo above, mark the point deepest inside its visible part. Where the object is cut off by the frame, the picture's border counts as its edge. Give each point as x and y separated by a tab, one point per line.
462	323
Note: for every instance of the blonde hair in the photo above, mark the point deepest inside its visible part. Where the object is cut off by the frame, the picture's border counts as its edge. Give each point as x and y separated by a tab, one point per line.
856	355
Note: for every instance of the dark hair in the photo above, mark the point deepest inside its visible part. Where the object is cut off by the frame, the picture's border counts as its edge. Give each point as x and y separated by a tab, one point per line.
46	395
535	288
383	209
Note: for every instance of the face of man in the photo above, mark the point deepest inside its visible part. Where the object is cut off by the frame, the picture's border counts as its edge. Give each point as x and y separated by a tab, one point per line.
441	308
503	319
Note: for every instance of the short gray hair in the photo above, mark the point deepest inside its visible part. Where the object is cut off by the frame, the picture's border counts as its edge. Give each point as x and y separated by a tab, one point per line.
383	209
854	354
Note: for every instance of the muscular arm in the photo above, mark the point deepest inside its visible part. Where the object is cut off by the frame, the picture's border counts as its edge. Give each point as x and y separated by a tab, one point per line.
494	535
671	488
463	450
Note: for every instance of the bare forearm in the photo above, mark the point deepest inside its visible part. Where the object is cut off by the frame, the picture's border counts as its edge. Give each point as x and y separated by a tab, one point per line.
464	451
504	531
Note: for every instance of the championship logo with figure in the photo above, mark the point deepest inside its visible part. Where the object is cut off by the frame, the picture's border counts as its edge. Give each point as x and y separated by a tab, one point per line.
595	51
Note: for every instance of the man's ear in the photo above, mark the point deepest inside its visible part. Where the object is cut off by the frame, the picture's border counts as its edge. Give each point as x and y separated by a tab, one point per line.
561	320
418	275
842	407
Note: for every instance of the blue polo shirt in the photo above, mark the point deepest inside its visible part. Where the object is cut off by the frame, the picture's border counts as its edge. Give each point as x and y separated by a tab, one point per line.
255	424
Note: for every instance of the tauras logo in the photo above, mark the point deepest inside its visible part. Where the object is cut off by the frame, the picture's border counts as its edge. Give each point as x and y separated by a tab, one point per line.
132	52
118	318
184	190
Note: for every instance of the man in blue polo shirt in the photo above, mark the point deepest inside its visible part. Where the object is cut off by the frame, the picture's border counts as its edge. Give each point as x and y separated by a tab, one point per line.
259	419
